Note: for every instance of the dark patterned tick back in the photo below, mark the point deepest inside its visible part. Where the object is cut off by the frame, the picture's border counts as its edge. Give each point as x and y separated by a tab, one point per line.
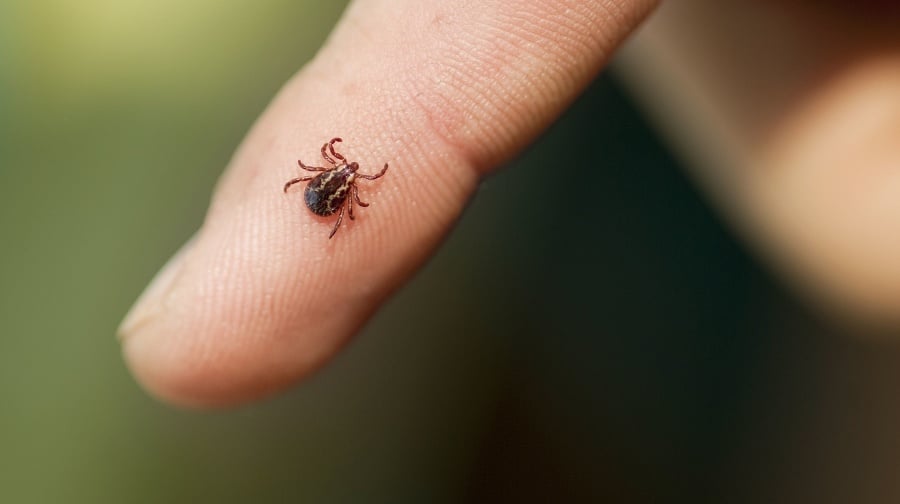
334	188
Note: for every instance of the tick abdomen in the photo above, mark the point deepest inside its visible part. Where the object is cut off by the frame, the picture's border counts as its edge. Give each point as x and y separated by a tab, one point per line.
333	189
326	193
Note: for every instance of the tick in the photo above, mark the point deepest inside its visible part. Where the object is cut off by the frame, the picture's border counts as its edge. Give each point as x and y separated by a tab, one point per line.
334	189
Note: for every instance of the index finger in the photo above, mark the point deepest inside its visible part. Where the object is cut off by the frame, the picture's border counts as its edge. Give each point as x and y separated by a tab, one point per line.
442	91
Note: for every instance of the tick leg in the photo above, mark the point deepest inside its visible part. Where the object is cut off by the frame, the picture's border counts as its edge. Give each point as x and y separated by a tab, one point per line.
326	156
294	181
350	204
312	168
330	146
356	196
373	177
338	223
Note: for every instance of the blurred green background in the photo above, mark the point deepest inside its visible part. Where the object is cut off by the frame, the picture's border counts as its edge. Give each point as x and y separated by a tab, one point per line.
616	346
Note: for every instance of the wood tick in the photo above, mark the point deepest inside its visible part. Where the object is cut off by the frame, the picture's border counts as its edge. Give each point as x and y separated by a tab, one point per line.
335	188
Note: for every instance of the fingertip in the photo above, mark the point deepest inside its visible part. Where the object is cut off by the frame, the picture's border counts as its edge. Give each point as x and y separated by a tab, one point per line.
167	381
193	378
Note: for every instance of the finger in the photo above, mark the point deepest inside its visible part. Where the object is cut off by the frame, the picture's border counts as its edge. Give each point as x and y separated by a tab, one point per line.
795	134
440	90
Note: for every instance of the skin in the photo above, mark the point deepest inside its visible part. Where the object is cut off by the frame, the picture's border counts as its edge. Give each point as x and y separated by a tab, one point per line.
236	314
789	113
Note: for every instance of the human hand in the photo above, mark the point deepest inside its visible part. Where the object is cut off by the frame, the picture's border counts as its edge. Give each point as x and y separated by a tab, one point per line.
788	113
443	91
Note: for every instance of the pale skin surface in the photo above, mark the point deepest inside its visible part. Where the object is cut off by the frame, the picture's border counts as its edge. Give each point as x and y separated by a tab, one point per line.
461	88
444	91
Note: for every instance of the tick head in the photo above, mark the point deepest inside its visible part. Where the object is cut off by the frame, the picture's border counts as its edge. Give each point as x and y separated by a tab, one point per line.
353	167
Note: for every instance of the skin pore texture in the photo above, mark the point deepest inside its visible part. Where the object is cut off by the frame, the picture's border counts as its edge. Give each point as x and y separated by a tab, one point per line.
237	314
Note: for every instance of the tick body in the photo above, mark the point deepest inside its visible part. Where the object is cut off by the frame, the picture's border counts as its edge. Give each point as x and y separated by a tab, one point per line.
334	189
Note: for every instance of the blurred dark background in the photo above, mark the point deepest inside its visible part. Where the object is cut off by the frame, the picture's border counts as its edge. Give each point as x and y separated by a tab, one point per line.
609	342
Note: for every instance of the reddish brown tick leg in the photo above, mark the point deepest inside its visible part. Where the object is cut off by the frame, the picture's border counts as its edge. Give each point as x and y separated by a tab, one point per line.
373	177
311	168
326	156
356	196
333	189
338	223
294	181
331	148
